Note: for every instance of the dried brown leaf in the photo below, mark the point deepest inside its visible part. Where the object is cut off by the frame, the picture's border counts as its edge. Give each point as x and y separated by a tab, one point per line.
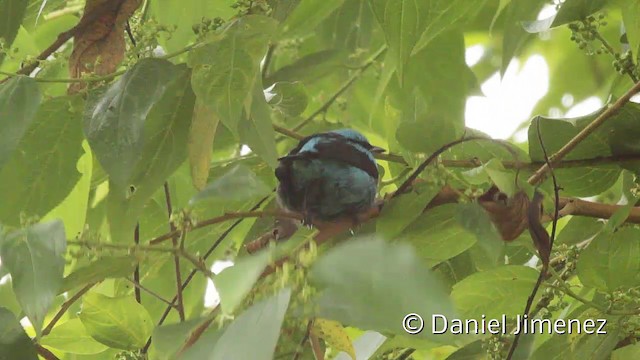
100	46
509	215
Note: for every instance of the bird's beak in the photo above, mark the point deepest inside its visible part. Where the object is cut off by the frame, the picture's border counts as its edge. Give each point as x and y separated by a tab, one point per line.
377	150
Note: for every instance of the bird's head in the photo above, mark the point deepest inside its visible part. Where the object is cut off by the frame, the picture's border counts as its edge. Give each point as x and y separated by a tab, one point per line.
356	137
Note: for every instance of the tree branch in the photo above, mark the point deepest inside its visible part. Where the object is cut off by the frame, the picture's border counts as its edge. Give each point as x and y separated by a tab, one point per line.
539	175
176	258
65	306
45	353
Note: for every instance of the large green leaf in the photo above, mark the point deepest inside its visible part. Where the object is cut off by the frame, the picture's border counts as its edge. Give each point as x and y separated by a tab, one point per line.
72	337
514	35
14	343
166	132
373	285
236	185
257	130
618	136
398	213
114	121
169	339
103	268
612	260
11	14
572	10
501	290
42	171
307	15
118	322
437	235
235	282
224	71
19	101
290	98
309	68
34	257
258	327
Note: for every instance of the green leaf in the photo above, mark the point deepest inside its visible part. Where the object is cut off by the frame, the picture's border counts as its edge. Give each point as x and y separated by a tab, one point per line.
494	292
402	22
437	235
11	14
168	339
398	213
373	285
166	132
310	67
258	327
631	19
34	257
612	260
443	15
201	136
290	98
19	101
118	322
578	229
14	343
224	71
42	171
572	10
307	15
238	184
114	121
73	209
475	220
257	130
514	34
180	17
591	179
235	282
109	267
626	352
72	337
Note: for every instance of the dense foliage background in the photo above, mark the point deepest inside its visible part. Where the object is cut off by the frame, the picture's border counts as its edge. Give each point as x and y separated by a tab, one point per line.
138	141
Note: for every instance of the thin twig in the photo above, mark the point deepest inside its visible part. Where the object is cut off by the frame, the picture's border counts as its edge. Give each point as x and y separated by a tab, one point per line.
136	271
569	146
176	258
318	353
45	353
543	271
409	181
227	217
65	306
193	273
342	89
300	348
148	291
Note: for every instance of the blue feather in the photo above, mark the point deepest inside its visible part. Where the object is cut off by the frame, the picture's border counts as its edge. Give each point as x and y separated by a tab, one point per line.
328	176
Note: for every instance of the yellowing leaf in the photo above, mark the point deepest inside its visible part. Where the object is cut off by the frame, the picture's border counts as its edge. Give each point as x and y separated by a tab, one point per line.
333	333
201	134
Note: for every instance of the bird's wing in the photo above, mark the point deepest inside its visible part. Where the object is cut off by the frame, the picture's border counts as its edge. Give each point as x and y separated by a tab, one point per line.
341	151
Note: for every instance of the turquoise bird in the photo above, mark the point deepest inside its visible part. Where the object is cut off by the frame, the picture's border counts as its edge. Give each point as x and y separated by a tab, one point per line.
328	176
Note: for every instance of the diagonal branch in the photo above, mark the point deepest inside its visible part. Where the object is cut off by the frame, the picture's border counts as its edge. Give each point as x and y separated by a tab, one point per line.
539	175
